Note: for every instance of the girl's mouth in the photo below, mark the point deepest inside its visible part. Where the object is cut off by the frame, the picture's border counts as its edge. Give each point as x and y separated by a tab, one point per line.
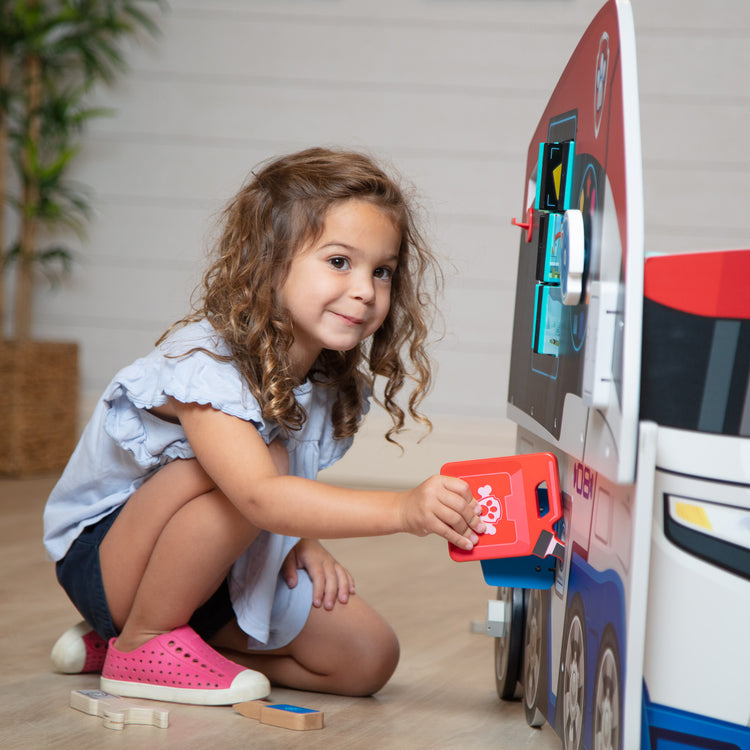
349	320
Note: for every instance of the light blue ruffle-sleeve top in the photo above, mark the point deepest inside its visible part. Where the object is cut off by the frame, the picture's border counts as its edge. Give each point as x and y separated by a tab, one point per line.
124	444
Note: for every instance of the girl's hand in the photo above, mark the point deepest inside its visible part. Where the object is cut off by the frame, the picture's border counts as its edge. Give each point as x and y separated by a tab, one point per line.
444	506
331	581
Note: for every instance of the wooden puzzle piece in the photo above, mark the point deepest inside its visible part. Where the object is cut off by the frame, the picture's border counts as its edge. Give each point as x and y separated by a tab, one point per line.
281	714
117	711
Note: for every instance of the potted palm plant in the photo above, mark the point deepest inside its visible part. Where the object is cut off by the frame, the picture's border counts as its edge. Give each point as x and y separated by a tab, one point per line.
52	54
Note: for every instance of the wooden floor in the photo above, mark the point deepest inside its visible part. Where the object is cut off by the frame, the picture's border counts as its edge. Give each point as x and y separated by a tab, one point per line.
441	696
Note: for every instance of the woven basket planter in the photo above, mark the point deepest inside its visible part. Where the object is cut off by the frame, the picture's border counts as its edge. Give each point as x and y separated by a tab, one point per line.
38	406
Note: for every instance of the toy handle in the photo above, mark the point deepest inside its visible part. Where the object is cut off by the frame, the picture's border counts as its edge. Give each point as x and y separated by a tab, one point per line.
547	470
528	225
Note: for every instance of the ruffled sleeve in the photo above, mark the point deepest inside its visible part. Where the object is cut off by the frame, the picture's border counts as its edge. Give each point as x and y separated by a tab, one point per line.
189	374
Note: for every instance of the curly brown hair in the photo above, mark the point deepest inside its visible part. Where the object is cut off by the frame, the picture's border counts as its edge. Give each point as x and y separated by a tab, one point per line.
281	208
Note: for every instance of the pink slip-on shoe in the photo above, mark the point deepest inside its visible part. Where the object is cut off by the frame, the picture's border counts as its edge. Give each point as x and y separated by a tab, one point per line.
180	667
79	650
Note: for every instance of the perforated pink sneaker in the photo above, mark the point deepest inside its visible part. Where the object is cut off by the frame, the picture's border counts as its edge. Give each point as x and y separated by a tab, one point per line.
79	650
180	667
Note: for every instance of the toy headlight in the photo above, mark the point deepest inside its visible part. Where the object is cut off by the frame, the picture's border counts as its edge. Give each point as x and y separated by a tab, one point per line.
713	531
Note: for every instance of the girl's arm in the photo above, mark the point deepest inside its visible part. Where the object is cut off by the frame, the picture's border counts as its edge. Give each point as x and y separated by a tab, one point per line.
234	455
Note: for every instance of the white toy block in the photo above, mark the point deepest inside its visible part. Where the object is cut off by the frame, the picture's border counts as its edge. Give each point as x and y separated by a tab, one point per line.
116	711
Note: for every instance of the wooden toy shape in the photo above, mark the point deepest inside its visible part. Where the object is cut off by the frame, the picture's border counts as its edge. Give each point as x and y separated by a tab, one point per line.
281	715
251	709
520	520
117	711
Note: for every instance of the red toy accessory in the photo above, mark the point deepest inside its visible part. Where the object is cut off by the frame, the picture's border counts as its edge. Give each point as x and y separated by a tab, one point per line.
520	520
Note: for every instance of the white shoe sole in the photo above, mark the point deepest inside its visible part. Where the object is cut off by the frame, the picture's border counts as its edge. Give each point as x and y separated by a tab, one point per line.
246	686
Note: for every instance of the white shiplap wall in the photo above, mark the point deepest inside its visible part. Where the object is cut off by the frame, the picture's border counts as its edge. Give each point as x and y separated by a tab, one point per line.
449	92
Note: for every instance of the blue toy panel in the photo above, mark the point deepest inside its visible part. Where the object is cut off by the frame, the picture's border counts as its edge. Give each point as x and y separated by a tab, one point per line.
666	728
599	597
520	572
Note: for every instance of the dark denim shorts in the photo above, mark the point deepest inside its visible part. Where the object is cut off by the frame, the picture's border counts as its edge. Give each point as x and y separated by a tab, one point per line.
80	574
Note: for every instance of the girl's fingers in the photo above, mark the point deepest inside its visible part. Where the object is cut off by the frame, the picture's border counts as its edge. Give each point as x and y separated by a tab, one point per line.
345	584
289	570
477	524
463	521
319	587
332	586
465	517
457	495
331	581
444	506
339	585
459	540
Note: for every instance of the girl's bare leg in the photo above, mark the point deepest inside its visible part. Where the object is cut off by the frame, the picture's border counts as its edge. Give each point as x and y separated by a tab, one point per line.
168	551
170	548
349	650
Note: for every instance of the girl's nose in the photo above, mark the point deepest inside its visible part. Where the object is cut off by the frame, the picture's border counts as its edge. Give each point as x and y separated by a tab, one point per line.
364	288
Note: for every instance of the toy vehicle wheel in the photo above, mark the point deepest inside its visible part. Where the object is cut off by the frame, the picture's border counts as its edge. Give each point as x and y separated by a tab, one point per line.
607	728
574	678
533	659
509	648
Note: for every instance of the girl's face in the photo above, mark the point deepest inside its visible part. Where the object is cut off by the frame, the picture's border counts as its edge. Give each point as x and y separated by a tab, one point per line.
338	291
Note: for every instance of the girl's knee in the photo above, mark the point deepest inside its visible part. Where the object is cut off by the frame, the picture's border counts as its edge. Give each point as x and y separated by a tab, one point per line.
190	474
386	662
376	657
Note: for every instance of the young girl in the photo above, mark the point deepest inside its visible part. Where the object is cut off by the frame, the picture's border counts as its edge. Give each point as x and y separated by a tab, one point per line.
188	513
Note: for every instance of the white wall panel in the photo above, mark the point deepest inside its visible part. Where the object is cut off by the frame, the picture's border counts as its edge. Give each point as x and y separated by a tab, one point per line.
693	65
173	172
376	50
139	233
267	112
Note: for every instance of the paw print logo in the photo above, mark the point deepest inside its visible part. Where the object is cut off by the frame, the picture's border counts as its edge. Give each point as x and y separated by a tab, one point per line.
600	81
492	511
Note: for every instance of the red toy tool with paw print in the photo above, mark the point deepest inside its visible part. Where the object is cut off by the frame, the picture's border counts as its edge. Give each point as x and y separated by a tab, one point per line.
521	502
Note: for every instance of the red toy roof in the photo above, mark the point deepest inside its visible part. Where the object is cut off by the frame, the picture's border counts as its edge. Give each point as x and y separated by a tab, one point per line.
713	284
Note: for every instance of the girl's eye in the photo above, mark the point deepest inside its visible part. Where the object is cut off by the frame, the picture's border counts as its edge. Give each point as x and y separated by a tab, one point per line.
384	273
339	263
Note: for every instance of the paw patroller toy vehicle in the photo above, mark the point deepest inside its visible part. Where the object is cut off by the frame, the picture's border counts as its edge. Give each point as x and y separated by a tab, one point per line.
619	537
